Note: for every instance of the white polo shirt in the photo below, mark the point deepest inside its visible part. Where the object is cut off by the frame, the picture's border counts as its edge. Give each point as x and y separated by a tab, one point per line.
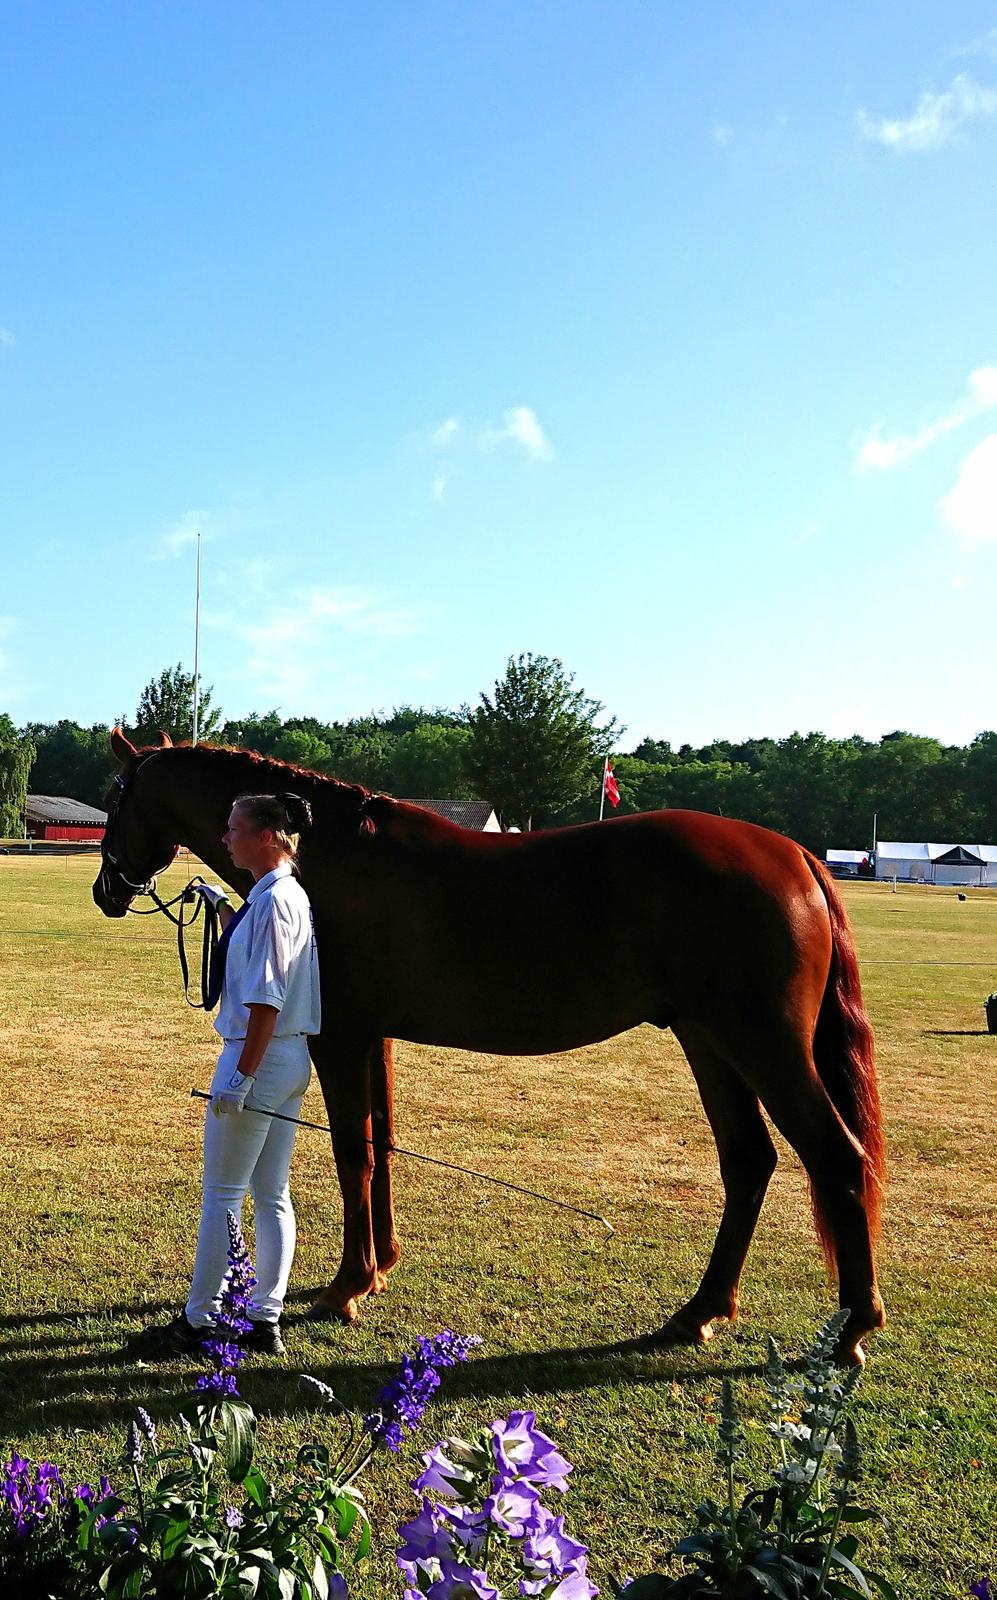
272	960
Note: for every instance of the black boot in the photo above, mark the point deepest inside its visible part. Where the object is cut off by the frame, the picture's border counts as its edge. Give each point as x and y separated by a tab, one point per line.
263	1338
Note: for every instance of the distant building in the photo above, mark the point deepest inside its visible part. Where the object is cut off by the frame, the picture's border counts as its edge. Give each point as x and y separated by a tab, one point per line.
476	814
49	816
972	864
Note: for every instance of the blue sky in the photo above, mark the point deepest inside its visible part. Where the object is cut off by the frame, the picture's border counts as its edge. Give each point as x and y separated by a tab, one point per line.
660	338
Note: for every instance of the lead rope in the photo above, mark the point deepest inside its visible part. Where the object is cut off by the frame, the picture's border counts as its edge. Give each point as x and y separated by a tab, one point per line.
209	941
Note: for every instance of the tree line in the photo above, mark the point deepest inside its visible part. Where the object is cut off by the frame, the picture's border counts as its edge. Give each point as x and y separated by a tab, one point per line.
534	748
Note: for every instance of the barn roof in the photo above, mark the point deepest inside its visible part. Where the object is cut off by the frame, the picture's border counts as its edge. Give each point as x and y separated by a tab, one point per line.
58	809
477	814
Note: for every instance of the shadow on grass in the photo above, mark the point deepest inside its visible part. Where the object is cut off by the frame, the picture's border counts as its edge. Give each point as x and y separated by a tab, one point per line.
958	1033
98	1387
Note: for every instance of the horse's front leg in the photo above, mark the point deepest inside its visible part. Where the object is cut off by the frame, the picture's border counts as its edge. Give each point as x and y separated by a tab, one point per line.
344	1073
382	1080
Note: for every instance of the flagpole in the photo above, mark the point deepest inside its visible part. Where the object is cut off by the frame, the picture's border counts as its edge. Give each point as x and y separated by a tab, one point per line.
602	792
197	637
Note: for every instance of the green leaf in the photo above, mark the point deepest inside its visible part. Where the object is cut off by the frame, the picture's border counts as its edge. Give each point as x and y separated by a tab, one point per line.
838	1556
347	1512
883	1585
174	1536
256	1487
134	1584
239	1431
364	1542
286	1585
769	1581
320	1582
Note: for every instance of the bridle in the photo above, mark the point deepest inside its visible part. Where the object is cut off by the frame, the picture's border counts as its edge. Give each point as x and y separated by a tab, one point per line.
187	896
108	858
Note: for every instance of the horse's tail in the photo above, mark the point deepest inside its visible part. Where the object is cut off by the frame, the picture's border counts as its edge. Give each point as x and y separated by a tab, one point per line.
845	1060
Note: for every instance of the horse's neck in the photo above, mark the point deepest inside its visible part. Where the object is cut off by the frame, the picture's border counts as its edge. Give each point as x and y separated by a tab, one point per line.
197	806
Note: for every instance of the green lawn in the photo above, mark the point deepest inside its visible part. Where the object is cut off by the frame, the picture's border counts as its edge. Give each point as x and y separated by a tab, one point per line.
99	1196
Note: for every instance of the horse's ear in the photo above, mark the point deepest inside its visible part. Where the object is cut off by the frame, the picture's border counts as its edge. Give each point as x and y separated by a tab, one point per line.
164	740
122	747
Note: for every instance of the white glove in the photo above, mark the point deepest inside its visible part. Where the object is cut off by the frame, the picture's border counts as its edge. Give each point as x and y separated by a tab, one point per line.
213	893
230	1094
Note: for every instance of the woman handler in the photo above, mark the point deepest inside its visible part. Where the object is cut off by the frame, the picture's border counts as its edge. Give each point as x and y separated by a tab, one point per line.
269	1006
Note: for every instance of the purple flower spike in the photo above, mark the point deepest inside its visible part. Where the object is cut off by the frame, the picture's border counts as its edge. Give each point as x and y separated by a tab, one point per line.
980	1589
402	1402
233	1519
236	1300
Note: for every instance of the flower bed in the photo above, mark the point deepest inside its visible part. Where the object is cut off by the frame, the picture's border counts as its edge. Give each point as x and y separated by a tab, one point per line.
199	1518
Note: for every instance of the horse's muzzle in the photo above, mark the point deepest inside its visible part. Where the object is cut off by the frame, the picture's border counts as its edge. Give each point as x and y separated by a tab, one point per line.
110	904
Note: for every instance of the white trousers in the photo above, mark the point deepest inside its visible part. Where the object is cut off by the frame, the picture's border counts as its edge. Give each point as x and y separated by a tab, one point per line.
245	1151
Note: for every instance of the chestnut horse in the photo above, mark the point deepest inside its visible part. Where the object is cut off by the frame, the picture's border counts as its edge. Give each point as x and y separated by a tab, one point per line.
732	936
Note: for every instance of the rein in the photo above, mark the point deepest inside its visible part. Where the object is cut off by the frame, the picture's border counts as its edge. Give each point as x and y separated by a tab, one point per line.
209	941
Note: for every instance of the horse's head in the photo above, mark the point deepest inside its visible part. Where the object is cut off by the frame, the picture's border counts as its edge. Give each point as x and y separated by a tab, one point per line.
134	847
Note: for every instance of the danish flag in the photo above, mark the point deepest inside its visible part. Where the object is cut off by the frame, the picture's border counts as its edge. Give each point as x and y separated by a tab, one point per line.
610	787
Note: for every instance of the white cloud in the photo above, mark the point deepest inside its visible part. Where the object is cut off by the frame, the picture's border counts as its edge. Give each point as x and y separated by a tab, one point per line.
520	426
876	454
970	509
438	487
291	650
935	119
182	535
446	434
7	339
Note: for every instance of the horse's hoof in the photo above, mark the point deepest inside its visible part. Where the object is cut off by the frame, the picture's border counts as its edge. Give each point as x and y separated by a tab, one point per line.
677	1330
321	1312
849	1353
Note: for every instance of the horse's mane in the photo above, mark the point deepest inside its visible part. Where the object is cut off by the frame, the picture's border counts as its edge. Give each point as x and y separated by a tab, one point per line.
347	797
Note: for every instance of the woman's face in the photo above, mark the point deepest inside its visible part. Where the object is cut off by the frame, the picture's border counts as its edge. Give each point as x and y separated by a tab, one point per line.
243	840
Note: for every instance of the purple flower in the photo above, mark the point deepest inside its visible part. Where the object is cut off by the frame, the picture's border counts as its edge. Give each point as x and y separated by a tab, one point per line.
423	1538
232	1519
337	1586
402	1402
220	1383
133	1446
458	1582
574	1586
30	1501
522	1451
512	1507
442	1476
980	1589
548	1552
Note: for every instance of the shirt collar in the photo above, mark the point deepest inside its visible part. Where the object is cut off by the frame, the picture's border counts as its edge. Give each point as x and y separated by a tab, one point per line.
268	880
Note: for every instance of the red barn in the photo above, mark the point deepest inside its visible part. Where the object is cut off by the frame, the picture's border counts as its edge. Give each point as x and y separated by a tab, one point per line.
52	816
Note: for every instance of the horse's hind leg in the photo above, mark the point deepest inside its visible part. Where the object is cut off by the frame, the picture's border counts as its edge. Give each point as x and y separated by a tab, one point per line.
382	1084
782	1071
747	1161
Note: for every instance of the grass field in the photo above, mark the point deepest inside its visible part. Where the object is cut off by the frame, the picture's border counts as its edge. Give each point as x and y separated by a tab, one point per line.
99	1197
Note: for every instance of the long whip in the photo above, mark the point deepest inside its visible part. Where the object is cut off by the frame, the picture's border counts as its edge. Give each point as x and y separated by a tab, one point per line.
433	1161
